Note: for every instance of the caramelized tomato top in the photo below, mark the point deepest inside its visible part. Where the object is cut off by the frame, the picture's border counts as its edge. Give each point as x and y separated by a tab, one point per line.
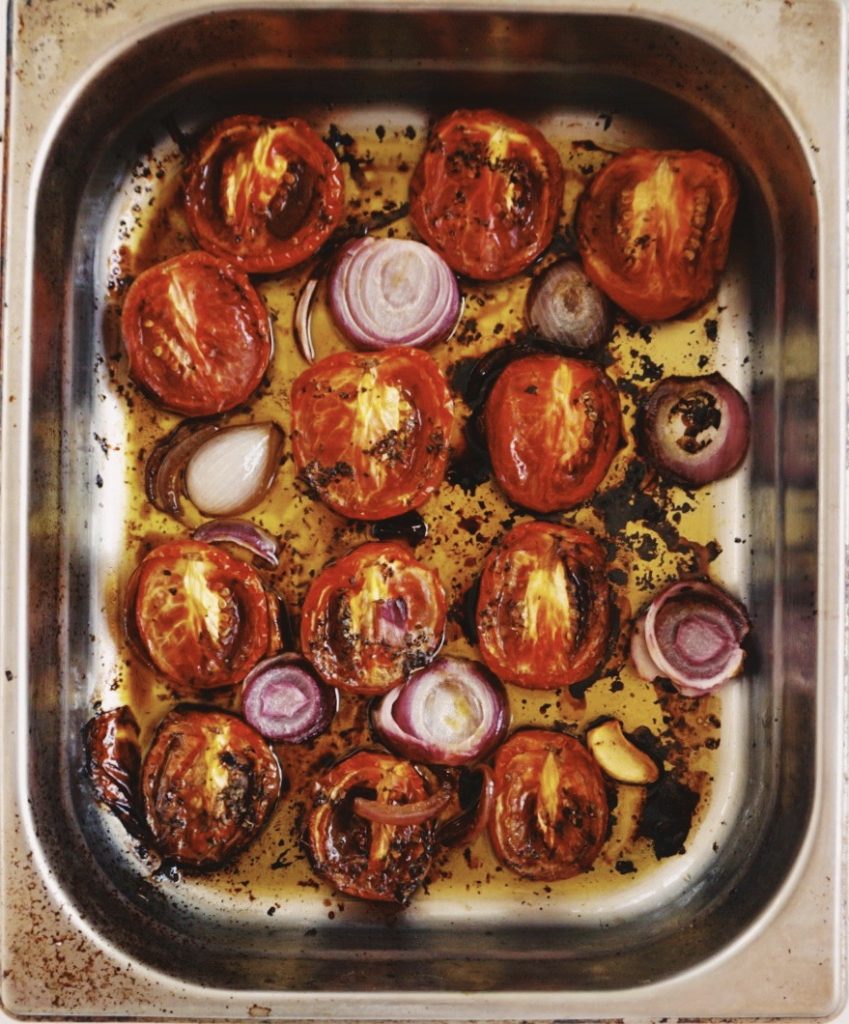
487	193
543	614
365	858
370	431
209	784
196	333
550	813
200	615
265	194
553	425
372	617
654	229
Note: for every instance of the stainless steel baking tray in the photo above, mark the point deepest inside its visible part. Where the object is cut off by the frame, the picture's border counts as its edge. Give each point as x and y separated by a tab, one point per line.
747	923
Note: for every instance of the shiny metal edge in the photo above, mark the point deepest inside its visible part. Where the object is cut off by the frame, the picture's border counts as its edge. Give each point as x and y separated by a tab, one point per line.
796	958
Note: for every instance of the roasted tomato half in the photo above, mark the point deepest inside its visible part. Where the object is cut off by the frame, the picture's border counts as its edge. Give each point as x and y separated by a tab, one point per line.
487	193
209	784
654	227
372	617
543	614
196	333
553	425
370	431
550	812
265	194
199	615
373	857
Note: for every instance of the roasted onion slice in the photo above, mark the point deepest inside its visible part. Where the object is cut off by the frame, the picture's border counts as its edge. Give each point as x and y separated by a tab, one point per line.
243	534
452	712
695	429
691	634
285	701
392	291
566	308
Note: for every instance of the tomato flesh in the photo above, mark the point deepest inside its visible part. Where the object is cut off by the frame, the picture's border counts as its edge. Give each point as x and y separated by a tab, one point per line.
372	618
550	811
209	784
364	858
543	613
196	334
264	194
654	228
486	194
370	432
200	615
553	425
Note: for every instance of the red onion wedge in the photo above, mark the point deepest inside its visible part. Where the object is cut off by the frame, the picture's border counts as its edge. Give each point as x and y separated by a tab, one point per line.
392	291
166	465
452	712
232	471
565	307
285	701
695	429
243	534
690	634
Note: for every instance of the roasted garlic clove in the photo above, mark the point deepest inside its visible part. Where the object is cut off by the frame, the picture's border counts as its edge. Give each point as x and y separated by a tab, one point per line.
617	756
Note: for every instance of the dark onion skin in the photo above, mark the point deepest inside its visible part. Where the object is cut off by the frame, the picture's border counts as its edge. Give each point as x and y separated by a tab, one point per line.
695	430
362	858
554	837
209	784
113	764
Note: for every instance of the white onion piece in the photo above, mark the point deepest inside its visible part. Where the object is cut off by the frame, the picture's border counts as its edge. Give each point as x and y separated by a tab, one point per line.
452	712
232	471
565	307
691	635
392	291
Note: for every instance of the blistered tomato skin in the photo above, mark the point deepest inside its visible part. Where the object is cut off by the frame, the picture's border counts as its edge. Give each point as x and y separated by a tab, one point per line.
553	425
543	612
371	431
486	194
373	617
197	334
550	812
200	616
365	858
654	228
264	194
209	784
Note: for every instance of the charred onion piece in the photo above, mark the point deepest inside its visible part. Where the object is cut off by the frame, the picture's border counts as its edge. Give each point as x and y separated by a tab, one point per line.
415	813
285	701
243	534
473	819
695	429
113	764
209	783
691	634
392	291
452	712
565	307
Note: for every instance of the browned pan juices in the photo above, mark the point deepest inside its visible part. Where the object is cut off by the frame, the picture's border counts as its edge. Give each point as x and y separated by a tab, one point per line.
655	533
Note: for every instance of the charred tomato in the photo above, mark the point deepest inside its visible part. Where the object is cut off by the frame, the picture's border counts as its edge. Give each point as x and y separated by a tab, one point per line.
552	425
264	194
654	228
550	812
486	193
209	784
198	615
361	855
543	611
196	333
372	617
370	432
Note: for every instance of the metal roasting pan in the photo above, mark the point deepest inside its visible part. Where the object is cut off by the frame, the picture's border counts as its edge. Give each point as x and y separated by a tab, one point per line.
748	922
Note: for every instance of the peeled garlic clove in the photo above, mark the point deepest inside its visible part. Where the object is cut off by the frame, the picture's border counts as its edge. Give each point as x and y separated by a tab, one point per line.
232	471
617	756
